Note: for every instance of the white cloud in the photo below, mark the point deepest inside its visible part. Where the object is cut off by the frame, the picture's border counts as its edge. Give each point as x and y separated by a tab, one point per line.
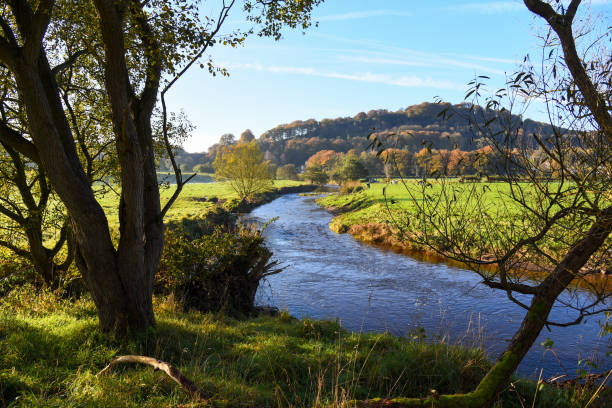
364	14
380	53
410	81
407	57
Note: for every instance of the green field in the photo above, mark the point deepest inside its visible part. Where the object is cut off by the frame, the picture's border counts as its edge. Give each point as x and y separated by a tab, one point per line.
370	205
189	204
473	209
169	177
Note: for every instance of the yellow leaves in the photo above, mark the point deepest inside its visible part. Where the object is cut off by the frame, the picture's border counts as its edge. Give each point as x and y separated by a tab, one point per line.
244	167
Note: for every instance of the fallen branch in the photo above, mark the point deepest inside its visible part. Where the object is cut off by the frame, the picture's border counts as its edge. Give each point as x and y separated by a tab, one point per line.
169	369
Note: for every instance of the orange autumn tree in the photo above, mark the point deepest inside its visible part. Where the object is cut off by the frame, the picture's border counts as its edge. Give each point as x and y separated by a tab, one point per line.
321	157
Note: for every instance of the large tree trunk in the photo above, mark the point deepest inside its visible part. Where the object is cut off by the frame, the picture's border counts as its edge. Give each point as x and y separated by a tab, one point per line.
120	280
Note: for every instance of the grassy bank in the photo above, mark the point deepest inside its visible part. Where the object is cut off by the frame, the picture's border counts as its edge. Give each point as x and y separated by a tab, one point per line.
51	350
372	219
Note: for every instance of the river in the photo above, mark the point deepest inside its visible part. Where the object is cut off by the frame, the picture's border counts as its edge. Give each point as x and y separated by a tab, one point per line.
368	289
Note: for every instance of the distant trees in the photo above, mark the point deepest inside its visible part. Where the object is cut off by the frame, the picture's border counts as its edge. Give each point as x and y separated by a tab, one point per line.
203	168
243	166
349	168
287	172
397	163
246	136
316	175
227	139
321	158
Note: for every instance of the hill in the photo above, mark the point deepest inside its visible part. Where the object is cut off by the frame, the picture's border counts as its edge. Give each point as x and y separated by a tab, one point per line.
412	128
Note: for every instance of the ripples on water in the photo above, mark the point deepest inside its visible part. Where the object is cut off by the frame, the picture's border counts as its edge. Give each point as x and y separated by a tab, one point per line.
334	276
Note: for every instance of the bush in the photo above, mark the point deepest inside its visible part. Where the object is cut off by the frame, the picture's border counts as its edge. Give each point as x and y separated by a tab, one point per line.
351	187
14	273
219	272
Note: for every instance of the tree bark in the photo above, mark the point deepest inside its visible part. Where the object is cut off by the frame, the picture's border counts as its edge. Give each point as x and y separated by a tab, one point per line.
120	281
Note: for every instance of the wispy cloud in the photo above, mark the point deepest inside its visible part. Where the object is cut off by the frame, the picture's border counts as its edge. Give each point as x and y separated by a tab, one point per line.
485	59
354	15
384	61
491	7
374	52
410	81
408	57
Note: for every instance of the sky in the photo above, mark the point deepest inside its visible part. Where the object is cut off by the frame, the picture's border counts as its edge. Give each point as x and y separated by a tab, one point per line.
364	54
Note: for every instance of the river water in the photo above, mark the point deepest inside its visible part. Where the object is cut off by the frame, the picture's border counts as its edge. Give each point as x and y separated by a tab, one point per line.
368	289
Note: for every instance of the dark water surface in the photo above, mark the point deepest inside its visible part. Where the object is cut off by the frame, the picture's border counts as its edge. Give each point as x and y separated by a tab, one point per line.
369	289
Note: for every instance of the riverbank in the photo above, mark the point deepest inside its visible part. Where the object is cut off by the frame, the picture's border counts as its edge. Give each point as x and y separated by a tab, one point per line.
246	206
370	218
51	350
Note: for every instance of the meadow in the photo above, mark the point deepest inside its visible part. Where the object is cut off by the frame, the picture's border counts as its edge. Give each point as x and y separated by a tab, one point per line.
370	205
190	203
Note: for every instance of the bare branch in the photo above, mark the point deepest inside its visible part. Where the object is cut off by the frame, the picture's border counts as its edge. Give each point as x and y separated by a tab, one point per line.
169	369
177	171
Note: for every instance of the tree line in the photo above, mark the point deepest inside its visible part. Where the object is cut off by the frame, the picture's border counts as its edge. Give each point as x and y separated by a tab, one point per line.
410	129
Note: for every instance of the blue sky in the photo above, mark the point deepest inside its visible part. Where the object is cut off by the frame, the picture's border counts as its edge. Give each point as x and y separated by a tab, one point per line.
384	54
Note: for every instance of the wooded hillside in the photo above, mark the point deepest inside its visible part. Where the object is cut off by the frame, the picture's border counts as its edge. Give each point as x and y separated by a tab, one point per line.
409	129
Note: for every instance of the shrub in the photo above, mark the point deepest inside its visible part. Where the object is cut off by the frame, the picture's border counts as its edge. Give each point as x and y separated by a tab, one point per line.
351	187
219	272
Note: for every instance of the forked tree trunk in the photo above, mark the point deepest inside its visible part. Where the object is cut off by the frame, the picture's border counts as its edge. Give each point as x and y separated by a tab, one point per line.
120	280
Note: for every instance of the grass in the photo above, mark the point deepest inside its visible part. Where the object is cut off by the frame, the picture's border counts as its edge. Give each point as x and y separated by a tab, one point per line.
369	204
51	350
189	204
169	177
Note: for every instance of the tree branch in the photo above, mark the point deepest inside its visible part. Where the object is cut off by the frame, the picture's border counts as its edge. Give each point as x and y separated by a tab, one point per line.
177	171
169	369
14	139
71	60
39	23
19	251
562	25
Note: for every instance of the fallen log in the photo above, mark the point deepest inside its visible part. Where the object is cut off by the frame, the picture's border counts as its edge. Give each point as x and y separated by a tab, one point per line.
172	372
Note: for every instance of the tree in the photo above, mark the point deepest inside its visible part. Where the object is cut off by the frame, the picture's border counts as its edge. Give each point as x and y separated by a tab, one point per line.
243	166
202	168
349	168
227	139
398	163
562	225
315	174
287	172
321	158
132	45
247	136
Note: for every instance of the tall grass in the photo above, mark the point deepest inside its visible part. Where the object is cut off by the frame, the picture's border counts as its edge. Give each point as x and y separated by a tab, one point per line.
51	349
